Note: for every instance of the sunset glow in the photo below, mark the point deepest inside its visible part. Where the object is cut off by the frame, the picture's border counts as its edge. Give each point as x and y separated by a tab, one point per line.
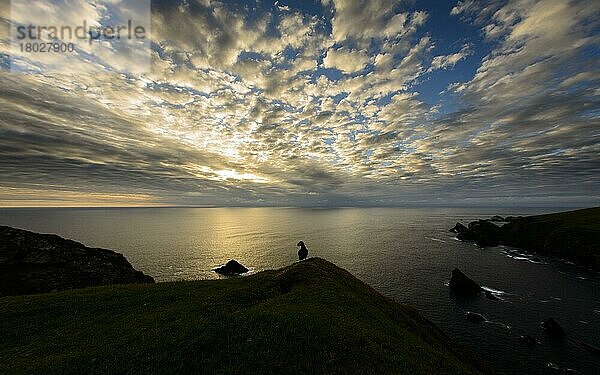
289	103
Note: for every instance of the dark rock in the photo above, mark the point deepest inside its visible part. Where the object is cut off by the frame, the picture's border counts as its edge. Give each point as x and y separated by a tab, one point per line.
491	296
488	234
497	218
552	327
38	263
461	283
475	317
482	232
527	339
231	268
458	228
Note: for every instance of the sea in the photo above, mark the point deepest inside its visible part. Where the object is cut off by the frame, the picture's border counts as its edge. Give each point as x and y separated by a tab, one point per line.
407	254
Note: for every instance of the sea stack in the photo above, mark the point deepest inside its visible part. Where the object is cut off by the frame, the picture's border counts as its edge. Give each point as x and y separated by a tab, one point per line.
462	284
233	267
553	328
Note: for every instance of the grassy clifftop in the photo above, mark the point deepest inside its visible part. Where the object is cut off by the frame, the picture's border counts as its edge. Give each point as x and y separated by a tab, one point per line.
309	317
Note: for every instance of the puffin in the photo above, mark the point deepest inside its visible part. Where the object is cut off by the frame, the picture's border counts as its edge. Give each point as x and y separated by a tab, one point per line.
303	252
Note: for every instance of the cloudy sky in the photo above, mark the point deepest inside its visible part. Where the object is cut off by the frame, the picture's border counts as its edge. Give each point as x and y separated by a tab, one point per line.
317	103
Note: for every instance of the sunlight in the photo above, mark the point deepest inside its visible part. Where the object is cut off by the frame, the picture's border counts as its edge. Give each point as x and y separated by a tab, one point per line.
232	174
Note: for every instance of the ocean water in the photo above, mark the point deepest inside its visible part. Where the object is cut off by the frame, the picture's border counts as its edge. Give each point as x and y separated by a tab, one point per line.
405	253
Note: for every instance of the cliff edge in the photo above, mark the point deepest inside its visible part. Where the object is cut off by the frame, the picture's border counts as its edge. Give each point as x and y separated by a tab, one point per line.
37	263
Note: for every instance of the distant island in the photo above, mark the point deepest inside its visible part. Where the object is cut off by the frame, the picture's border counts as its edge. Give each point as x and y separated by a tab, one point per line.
572	235
309	317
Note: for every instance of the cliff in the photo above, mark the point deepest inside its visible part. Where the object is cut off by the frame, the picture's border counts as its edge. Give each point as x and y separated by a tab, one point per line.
38	263
572	235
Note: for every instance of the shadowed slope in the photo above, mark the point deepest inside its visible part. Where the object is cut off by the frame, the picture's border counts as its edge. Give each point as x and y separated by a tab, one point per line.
308	317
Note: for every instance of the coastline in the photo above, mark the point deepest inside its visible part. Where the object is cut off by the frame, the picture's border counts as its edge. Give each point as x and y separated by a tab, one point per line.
572	235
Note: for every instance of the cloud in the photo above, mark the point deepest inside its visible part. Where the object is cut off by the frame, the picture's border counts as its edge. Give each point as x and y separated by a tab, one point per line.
238	109
345	60
545	41
377	20
448	61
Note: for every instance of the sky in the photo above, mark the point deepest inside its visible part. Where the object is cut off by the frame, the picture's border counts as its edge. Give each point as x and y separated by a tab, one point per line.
311	103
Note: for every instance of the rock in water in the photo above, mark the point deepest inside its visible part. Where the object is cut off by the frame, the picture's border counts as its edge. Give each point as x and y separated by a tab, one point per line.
461	283
458	228
37	263
233	267
552	327
483	232
474	317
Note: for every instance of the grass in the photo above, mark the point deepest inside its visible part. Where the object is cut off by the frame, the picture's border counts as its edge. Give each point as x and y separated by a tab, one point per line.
587	219
310	317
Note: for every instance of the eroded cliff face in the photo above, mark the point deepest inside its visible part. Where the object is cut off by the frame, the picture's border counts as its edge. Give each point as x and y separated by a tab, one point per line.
572	235
555	238
37	263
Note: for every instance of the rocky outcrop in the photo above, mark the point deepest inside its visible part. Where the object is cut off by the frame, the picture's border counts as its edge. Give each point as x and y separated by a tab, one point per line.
482	232
573	235
458	228
475	317
37	263
553	328
231	268
462	284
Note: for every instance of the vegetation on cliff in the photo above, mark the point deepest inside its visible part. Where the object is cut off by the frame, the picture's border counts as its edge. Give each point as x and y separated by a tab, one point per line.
310	317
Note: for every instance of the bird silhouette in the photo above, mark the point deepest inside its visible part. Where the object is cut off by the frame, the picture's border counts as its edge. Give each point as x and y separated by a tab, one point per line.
303	252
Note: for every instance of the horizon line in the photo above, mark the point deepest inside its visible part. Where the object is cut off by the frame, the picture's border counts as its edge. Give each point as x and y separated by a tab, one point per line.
566	205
